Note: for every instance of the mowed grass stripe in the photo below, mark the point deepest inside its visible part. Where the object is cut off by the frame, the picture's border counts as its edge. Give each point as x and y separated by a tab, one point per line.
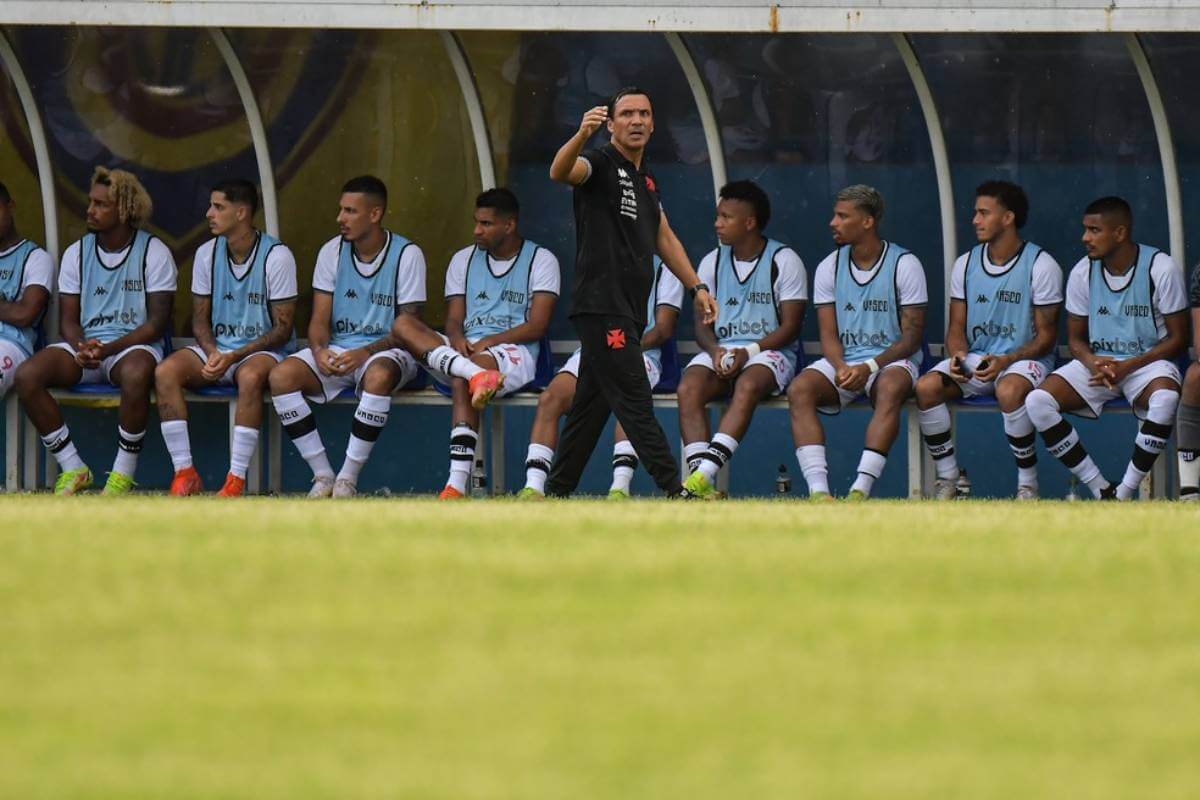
407	648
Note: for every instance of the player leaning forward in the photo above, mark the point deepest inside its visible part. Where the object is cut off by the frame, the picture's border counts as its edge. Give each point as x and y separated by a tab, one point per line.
1126	320
500	293
1004	298
364	278
115	290
243	304
760	286
870	296
26	271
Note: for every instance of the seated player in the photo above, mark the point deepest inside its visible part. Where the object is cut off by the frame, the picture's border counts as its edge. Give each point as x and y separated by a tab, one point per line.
761	288
364	279
870	296
243	306
116	286
1004	298
1189	408
666	298
1126	321
26	272
500	293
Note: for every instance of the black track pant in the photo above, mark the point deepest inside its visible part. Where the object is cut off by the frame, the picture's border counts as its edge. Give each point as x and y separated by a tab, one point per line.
612	379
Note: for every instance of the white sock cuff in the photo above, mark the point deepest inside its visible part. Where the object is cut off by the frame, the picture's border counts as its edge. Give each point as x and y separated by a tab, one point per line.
137	437
378	403
1017	423
171	426
624	448
539	451
872	463
692	449
291	401
726	441
934	420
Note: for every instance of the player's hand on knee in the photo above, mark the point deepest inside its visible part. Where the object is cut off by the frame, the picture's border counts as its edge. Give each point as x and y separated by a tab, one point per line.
325	359
216	365
460	345
346	362
990	367
958	366
854	377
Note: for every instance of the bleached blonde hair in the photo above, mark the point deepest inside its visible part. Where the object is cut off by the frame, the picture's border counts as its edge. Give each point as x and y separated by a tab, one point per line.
133	201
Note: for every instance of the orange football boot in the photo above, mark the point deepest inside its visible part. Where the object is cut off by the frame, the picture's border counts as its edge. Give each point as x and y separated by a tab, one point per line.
483	386
186	482
450	493
234	486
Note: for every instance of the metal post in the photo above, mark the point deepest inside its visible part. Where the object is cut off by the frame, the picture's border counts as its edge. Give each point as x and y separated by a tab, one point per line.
470	96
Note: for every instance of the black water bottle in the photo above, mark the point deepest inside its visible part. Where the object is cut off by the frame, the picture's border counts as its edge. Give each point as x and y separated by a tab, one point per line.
783	482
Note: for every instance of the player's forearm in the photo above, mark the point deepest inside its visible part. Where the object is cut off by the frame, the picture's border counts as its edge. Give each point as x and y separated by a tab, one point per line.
912	330
454	328
524	333
318	334
565	158
146	333
19	314
1036	348
274	339
70	330
783	336
956	341
706	338
381	344
1081	350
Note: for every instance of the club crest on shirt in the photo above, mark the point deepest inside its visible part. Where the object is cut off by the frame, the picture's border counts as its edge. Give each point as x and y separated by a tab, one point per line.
615	339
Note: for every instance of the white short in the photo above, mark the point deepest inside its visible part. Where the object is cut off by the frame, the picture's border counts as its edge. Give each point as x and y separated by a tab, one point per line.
1077	375
228	378
845	398
782	367
1032	371
11	356
332	385
515	362
653	368
101	375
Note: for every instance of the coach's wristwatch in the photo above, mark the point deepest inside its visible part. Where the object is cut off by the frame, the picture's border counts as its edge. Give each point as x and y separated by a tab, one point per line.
692	291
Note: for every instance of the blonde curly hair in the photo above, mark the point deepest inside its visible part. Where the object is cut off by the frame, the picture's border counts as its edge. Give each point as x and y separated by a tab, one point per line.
133	201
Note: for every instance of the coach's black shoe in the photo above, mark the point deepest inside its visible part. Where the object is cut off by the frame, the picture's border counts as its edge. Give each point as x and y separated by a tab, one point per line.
1109	492
682	494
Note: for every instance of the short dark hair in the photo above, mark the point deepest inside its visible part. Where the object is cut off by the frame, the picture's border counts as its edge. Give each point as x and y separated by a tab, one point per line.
1009	195
624	91
750	192
501	200
1112	207
368	185
5	197
239	190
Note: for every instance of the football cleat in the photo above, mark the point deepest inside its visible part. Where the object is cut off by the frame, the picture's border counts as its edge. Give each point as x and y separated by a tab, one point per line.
820	497
857	496
234	486
343	488
945	488
530	493
117	485
484	386
618	494
73	481
698	486
1027	493
186	482
322	487
450	493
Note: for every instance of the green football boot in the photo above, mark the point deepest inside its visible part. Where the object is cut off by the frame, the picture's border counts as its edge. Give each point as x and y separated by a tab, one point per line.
857	496
530	493
618	494
820	497
117	485
698	486
73	481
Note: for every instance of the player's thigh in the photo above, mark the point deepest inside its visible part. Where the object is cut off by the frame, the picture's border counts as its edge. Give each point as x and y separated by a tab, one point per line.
1063	392
294	375
254	374
1011	391
892	387
181	368
698	386
50	367
756	383
484	359
812	388
134	372
381	376
935	387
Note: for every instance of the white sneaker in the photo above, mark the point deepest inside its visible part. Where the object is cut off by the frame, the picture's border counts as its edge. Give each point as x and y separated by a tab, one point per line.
322	486
945	488
1189	498
1027	493
344	487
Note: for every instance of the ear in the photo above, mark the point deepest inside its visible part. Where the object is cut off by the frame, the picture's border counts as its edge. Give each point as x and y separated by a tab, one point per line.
376	214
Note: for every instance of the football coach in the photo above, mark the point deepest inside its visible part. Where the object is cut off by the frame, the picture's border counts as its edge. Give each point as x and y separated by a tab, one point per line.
619	226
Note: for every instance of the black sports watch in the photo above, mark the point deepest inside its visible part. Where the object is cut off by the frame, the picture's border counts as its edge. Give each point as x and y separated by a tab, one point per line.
692	291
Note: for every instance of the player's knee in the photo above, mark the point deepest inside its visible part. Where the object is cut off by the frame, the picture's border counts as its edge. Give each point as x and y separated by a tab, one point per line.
1010	394
28	378
282	378
554	401
689	395
1042	409
748	391
929	390
380	378
137	379
166	376
1162	403
801	393
250	382
1191	385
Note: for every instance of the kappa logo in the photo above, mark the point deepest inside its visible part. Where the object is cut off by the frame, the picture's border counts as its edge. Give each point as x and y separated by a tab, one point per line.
981	299
1103	311
615	339
733	301
228	296
621	171
483	295
849	307
353	295
100	290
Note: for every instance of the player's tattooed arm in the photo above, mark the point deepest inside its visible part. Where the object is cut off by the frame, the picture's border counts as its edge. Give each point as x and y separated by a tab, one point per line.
912	329
25	312
158	316
283	316
1045	319
202	323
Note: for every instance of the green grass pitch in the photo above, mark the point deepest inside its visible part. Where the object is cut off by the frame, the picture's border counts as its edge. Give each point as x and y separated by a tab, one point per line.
154	648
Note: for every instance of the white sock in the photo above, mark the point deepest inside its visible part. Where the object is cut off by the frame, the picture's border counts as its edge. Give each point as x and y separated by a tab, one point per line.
175	435
1189	474
1151	440
717	455
537	466
691	454
935	430
448	361
1023	442
299	424
242	450
462	456
369	419
624	463
1062	440
129	446
59	445
870	467
813	467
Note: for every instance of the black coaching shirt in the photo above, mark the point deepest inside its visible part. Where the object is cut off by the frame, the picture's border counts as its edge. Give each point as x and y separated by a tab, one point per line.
617	215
